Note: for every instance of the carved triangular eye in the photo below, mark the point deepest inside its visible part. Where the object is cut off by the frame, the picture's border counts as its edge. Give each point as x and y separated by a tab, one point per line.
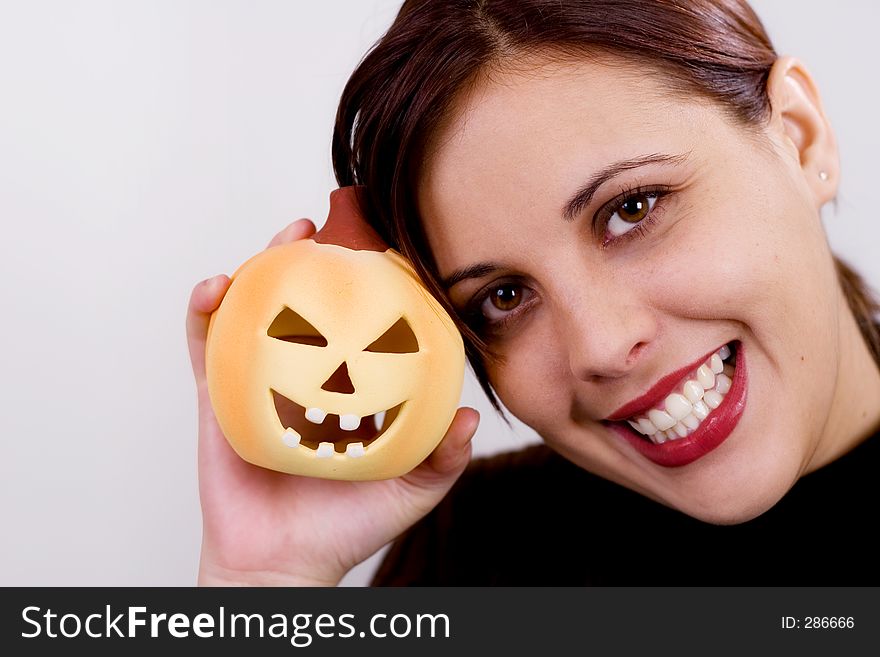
291	327
399	339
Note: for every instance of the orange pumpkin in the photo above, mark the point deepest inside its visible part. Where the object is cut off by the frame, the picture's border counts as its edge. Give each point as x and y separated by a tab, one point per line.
333	360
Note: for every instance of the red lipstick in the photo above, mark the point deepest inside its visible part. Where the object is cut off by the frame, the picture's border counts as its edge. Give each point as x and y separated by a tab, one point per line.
713	431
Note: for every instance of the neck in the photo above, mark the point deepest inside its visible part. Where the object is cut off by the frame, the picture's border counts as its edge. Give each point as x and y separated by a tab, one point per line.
855	410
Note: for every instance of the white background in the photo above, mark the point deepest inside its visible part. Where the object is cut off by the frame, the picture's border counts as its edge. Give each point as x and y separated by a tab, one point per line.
147	145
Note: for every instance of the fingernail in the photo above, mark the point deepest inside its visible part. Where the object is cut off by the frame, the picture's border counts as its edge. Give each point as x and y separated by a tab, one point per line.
213	281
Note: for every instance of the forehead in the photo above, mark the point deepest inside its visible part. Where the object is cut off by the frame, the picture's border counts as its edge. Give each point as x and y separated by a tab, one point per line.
520	141
532	89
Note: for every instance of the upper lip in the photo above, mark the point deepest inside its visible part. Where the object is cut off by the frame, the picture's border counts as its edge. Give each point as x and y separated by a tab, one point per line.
645	402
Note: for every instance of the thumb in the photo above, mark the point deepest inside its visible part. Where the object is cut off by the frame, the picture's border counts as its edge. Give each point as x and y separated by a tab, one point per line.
205	299
451	456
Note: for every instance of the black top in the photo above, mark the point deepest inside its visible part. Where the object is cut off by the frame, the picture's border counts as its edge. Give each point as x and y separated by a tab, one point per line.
533	518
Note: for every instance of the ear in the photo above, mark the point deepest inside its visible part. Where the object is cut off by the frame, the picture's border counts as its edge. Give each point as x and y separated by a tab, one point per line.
799	121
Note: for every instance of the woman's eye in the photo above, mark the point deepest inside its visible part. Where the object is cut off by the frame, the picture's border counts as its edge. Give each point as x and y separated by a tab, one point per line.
632	210
502	300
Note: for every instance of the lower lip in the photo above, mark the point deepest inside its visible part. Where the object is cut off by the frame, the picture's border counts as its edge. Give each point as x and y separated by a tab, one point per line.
712	431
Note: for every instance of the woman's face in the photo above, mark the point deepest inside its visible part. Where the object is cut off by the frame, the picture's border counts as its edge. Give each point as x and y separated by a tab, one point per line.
607	238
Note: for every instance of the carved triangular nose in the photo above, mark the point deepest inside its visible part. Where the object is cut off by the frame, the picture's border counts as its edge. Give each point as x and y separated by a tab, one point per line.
339	381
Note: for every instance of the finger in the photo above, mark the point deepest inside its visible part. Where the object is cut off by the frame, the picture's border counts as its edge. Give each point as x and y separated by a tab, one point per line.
205	298
453	453
299	229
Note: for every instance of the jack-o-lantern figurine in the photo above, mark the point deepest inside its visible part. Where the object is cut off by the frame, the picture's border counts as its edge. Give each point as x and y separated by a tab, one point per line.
328	358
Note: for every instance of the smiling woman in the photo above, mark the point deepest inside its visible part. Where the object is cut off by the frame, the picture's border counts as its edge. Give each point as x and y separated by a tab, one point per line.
620	204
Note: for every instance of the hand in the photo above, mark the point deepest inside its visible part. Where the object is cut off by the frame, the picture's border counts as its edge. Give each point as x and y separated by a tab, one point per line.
262	527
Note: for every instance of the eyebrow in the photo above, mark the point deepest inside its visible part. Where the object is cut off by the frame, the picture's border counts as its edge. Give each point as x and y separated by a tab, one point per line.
573	207
472	271
585	194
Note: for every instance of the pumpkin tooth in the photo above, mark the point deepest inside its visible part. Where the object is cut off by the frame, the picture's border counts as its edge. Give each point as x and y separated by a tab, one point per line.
290	438
325	450
379	420
349	422
315	415
354	450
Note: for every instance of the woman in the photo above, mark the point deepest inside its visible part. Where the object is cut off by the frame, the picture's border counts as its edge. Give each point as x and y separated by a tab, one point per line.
620	203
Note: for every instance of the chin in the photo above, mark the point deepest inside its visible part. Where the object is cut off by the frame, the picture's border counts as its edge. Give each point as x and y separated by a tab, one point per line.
731	512
736	489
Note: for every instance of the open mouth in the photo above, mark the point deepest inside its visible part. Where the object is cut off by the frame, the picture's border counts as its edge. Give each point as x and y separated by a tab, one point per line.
328	434
695	396
695	413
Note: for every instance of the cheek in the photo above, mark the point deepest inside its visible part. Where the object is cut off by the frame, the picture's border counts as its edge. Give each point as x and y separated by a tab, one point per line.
532	377
757	267
753	254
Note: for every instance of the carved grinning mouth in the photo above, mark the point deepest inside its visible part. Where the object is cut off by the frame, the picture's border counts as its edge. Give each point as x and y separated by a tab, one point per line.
329	433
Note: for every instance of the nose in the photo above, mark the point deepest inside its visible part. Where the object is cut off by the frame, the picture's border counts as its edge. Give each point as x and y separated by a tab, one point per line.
339	381
606	333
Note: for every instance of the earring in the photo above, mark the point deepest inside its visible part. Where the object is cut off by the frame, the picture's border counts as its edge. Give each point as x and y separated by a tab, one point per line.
823	175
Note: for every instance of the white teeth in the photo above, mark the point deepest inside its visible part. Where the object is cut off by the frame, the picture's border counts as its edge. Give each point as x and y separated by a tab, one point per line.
325	450
379	420
637	427
661	419
701	410
315	415
678	406
648	427
712	399
683	411
349	422
706	377
693	391
290	438
355	450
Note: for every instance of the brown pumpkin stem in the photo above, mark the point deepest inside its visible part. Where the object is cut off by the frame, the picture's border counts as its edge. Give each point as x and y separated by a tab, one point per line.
346	225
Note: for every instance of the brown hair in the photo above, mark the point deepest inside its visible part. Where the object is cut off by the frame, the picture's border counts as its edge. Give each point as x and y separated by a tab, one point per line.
403	88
